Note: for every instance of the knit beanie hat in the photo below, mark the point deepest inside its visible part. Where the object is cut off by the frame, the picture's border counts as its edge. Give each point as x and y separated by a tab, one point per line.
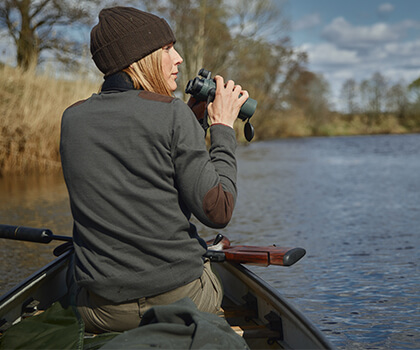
125	35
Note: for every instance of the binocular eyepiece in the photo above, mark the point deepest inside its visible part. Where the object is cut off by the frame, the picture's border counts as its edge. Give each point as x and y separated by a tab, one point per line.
203	88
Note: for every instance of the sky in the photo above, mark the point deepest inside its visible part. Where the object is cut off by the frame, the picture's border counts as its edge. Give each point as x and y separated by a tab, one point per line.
354	39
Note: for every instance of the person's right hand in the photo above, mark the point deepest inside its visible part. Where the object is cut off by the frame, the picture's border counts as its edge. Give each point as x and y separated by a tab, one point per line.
227	103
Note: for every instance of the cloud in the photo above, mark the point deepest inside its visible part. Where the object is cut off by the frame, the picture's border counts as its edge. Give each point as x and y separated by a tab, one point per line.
385	8
364	39
327	54
407	24
393	56
404	52
381	48
345	35
307	22
379	42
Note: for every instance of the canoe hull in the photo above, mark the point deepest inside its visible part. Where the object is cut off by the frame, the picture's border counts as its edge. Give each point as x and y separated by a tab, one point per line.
253	308
37	292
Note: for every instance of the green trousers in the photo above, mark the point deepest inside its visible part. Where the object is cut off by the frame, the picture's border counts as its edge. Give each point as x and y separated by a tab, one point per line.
101	315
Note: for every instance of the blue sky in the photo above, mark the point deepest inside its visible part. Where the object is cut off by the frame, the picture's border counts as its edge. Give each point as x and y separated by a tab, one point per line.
355	39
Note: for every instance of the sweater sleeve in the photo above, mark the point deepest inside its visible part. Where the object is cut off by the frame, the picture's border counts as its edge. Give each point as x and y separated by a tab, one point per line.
206	179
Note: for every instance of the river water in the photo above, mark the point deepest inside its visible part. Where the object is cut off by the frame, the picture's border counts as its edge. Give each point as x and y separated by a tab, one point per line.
352	202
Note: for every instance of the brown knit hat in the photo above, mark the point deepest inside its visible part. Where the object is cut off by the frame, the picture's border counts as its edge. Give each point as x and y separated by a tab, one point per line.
125	35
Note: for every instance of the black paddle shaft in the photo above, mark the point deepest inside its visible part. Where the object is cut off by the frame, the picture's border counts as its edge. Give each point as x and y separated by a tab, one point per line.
30	234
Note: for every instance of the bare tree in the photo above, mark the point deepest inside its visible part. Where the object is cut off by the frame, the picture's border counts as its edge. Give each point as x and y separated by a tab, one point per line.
309	92
414	93
397	100
349	96
373	95
364	96
263	56
203	37
378	92
318	109
37	26
247	43
414	90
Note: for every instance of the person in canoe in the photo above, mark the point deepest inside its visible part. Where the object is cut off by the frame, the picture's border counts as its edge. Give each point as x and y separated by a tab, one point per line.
136	166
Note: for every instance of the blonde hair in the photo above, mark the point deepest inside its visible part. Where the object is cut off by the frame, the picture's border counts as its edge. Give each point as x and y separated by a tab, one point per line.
147	74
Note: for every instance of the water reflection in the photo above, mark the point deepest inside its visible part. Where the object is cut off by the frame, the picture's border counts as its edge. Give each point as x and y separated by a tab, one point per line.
34	201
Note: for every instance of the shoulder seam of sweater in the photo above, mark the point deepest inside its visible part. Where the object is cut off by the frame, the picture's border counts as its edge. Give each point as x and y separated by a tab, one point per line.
147	95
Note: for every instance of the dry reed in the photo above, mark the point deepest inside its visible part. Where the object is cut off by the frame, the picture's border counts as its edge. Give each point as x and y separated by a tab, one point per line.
31	107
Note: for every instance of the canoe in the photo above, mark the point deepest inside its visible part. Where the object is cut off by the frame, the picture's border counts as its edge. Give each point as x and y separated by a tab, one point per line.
254	309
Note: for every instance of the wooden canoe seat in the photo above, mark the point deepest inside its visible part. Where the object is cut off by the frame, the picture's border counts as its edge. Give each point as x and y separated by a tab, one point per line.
255	331
239	311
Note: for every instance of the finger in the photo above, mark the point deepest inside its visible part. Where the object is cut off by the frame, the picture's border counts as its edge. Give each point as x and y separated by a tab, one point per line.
245	93
220	82
210	108
237	90
244	96
230	85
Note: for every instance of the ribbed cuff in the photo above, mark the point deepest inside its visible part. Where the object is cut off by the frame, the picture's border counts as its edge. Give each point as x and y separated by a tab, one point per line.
221	124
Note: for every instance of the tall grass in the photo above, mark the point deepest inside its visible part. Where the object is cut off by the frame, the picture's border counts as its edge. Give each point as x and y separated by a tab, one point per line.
31	106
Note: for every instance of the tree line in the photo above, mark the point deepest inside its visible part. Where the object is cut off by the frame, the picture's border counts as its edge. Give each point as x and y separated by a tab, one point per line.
375	98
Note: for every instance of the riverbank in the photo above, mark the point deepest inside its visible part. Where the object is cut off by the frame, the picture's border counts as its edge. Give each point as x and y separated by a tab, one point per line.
31	106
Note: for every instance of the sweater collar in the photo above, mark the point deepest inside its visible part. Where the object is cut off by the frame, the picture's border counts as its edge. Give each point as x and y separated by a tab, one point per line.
119	81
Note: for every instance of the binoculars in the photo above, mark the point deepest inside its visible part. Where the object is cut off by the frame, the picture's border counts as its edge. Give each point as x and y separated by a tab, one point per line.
203	88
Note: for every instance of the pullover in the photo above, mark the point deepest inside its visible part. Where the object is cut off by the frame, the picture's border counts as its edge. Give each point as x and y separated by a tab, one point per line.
136	167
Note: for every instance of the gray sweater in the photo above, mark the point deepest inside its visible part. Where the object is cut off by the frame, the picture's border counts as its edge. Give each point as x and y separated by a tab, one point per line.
136	166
